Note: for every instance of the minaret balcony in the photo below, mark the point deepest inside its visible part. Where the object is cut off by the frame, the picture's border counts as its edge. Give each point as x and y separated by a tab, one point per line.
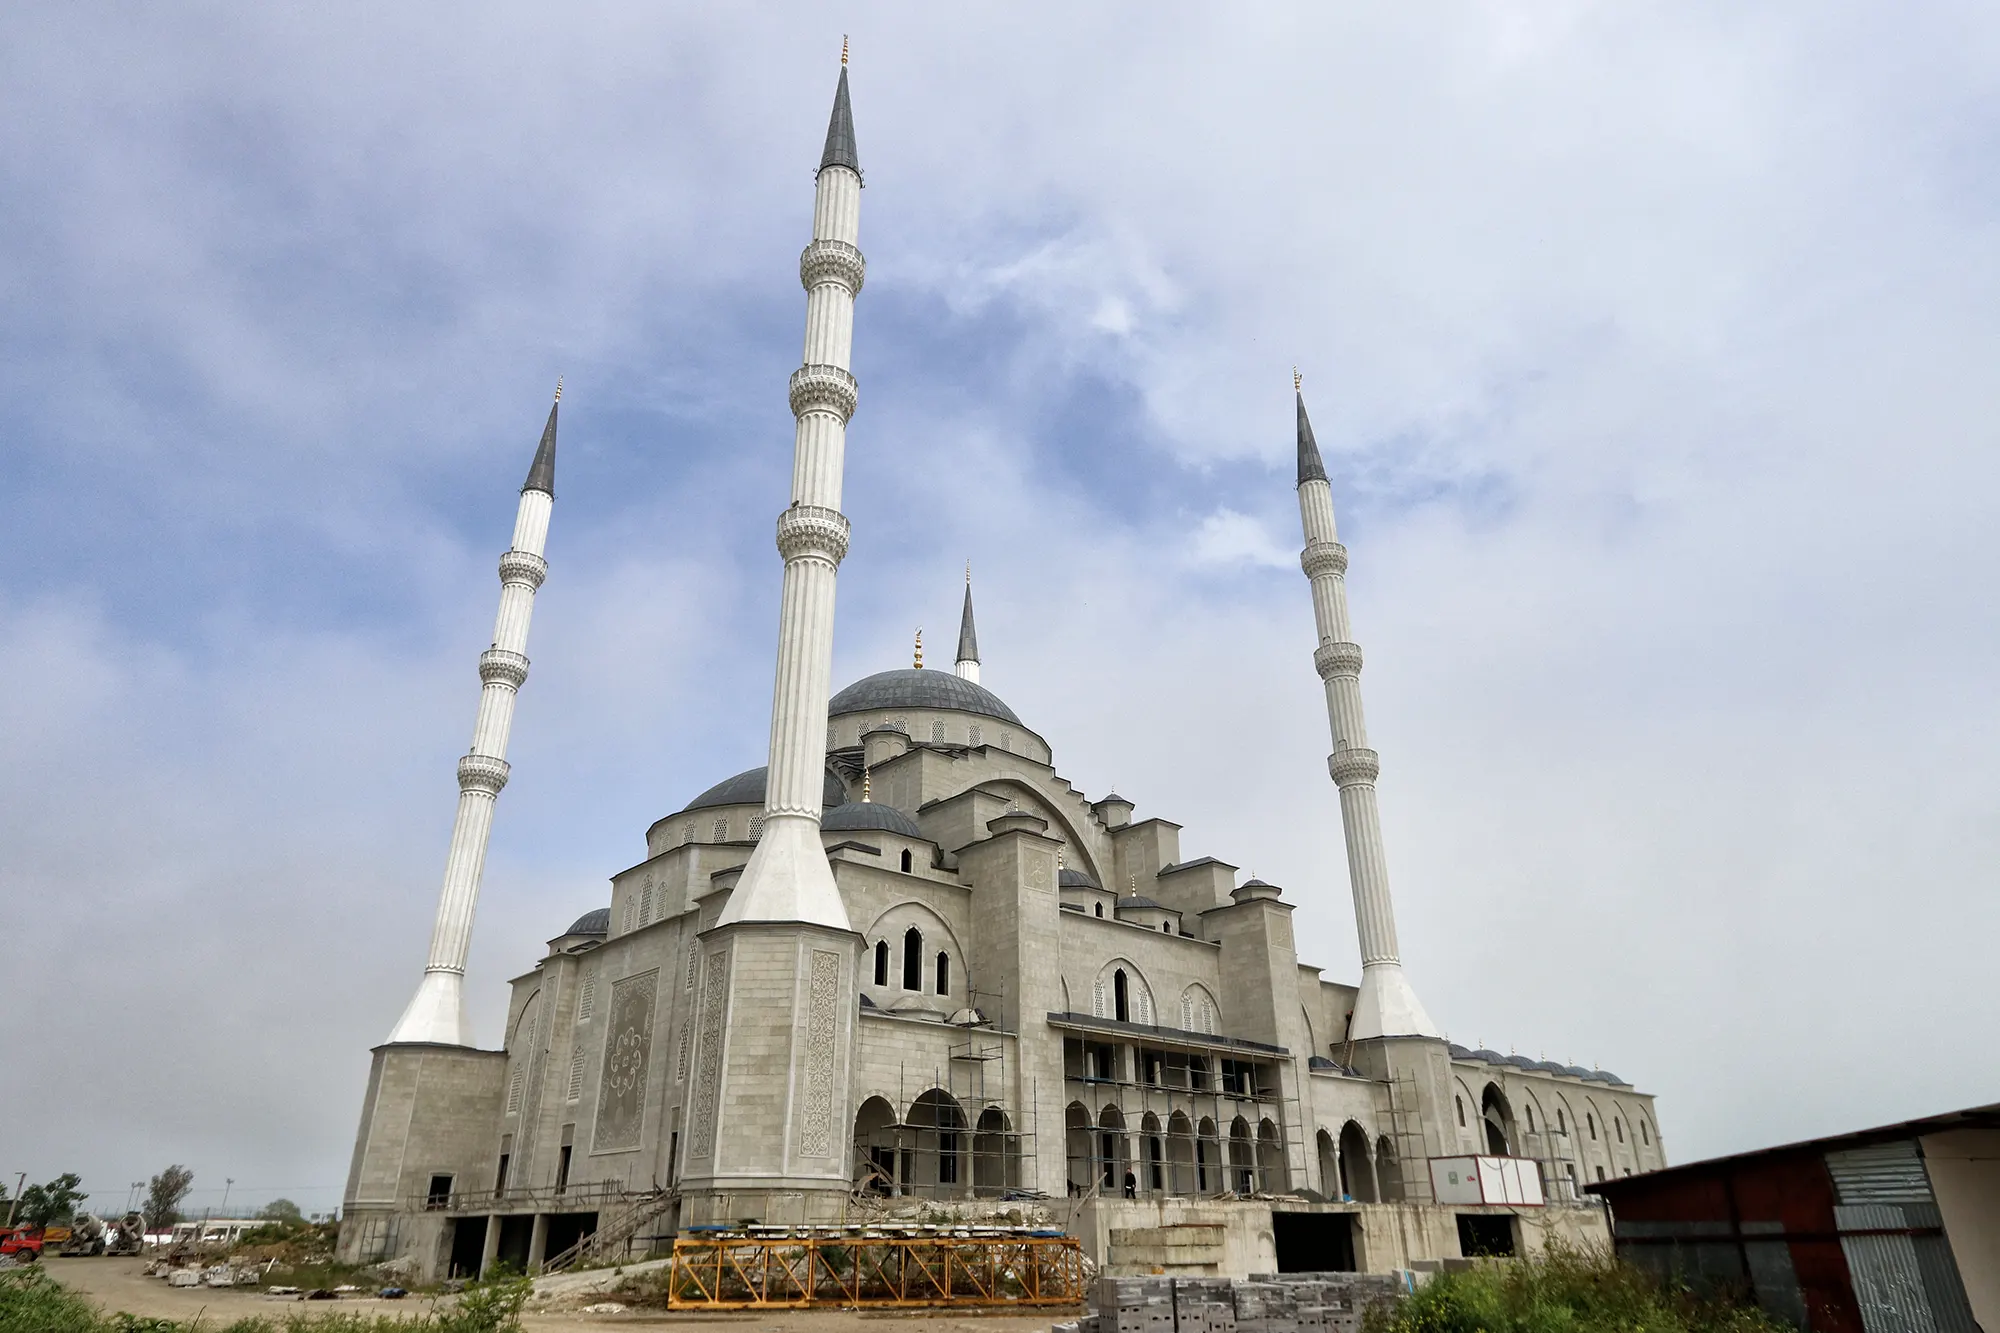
808	532
482	772
1320	558
523	567
1337	659
498	666
1354	767
823	388
832	261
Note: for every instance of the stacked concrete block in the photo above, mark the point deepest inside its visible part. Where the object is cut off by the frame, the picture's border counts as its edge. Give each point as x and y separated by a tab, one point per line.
1264	1303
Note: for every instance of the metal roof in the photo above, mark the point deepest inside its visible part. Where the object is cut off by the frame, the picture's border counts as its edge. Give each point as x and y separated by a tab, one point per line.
594	922
747	788
1069	878
840	149
913	687
1310	466
968	638
870	815
542	472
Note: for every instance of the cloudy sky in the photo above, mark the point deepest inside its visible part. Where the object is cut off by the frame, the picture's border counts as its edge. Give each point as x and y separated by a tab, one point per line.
1652	349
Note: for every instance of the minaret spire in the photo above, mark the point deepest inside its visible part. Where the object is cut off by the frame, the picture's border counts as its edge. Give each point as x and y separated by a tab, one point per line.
437	1013
787	877
1386	1006
967	665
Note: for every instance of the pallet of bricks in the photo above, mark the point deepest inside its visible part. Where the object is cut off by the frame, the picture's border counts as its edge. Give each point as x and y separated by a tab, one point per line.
1264	1303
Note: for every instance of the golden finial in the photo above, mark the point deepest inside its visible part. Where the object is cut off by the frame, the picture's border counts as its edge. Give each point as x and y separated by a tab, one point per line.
843	50
867	785
1298	381
1135	886
1059	858
559	388
968	573
920	647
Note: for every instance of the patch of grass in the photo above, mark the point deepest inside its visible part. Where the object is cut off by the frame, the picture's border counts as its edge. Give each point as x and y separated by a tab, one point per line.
32	1302
1564	1291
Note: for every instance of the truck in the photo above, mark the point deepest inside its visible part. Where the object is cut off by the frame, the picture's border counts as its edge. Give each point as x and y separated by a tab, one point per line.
22	1244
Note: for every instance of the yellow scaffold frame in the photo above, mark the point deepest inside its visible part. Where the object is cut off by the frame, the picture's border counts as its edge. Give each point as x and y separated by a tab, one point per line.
794	1272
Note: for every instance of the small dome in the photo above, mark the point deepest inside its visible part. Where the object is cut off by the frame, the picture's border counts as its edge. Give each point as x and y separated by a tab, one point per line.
858	815
1520	1062
1490	1057
1075	879
1576	1071
747	788
597	922
1458	1052
916	688
1605	1076
1548	1067
1136	901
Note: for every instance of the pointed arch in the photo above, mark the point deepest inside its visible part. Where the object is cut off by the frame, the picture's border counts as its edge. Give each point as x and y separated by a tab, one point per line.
1137	1004
1198	1010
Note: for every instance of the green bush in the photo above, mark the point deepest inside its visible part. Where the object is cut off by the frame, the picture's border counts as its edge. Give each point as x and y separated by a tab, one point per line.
30	1302
1564	1291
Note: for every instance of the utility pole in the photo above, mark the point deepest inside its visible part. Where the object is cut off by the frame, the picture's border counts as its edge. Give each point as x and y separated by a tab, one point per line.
20	1182
227	1181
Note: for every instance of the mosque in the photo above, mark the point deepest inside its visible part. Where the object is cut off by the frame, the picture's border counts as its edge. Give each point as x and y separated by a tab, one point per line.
906	963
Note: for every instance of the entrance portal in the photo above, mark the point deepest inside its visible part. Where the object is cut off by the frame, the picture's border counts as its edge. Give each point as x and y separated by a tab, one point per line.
1314	1242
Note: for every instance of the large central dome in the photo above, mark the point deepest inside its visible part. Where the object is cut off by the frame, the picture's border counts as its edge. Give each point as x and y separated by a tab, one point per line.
914	687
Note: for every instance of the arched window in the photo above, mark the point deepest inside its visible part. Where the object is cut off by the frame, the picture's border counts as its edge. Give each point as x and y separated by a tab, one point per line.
1590	1122
1562	1121
944	974
906	860
1121	1008
1461	1110
1531	1118
1618	1125
1098	908
1166	927
1645	1132
881	962
975	733
913	959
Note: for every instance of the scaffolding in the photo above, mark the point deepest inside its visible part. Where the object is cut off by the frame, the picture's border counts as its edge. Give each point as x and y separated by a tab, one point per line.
963	1138
857	1268
1177	1074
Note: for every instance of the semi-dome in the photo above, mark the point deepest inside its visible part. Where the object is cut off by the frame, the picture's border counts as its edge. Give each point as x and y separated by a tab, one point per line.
1135	901
747	788
913	687
867	815
595	922
1069	878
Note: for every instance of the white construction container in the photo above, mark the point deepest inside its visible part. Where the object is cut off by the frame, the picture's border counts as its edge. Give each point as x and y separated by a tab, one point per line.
1508	1180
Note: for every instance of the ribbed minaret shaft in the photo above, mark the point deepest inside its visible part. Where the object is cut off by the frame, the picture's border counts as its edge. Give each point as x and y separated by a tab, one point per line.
1386	1006
967	664
787	878
437	1012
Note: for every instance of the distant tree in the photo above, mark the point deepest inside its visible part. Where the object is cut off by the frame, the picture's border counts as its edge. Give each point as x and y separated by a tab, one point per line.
281	1210
164	1195
53	1203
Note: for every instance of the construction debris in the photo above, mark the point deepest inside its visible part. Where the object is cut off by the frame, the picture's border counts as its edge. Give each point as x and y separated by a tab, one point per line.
1265	1303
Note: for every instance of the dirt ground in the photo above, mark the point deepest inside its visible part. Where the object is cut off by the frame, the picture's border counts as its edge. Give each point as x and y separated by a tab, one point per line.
118	1284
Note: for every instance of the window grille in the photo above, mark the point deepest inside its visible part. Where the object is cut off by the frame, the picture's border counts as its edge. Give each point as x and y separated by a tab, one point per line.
1097	998
722	829
646	903
975	733
586	995
514	1091
576	1074
694	960
937	733
756	827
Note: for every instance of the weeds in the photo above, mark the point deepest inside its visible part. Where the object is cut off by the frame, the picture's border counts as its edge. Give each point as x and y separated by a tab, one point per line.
32	1302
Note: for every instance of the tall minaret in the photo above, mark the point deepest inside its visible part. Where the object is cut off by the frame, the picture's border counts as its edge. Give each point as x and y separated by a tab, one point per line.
787	878
778	992
967	665
1386	1006
437	1014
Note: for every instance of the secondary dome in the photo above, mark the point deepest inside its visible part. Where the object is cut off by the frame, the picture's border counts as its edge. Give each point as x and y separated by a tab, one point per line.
915	688
595	922
747	788
859	815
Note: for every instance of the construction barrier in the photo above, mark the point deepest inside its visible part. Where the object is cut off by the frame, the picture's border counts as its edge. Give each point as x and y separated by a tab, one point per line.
773	1272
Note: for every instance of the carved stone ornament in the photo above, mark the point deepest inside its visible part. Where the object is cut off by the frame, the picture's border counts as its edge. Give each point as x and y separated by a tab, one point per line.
824	389
822	1022
832	261
497	664
523	567
1337	659
1323	558
1354	767
813	532
482	772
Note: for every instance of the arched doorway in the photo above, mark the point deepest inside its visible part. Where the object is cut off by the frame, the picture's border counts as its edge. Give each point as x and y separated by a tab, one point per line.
1497	1118
1273	1175
1357	1164
878	1164
995	1154
1388	1171
937	1124
1153	1151
1076	1146
1242	1159
1207	1159
1329	1166
1180	1154
1115	1175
